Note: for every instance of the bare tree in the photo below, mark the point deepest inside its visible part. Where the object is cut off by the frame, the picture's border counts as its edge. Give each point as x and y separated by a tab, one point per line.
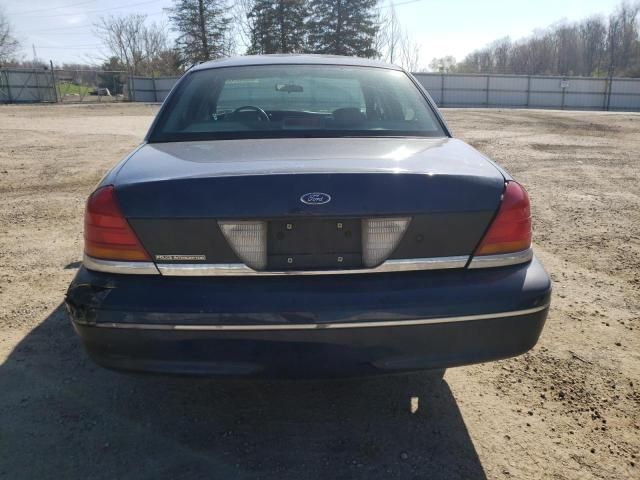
590	47
593	33
624	42
389	35
501	50
9	45
139	46
243	24
567	49
445	64
409	57
395	44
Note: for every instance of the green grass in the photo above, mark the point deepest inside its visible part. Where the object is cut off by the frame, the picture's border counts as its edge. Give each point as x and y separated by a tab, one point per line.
67	88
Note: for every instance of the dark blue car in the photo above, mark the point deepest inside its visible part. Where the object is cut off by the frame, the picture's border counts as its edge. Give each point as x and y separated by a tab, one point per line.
303	216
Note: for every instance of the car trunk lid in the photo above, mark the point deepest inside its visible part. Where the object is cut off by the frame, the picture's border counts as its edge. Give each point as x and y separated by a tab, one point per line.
379	176
176	194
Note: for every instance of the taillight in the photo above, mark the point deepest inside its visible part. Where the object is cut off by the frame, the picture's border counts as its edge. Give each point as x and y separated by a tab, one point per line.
107	234
510	230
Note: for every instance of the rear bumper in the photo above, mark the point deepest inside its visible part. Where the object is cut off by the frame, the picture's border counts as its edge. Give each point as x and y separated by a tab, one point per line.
309	326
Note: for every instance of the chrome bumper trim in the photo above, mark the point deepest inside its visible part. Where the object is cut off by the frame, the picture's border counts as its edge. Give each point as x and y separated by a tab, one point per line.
111	266
240	269
501	260
320	326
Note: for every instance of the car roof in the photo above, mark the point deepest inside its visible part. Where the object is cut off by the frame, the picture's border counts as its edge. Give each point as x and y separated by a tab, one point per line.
293	59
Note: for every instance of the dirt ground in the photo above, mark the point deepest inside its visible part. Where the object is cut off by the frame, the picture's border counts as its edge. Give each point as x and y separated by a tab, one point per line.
569	409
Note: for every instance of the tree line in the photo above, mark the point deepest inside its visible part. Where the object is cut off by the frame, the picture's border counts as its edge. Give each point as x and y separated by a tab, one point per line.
210	29
595	46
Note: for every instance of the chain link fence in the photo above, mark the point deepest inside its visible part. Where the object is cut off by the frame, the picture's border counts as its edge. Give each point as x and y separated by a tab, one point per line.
534	91
88	86
447	90
489	91
150	89
27	86
63	86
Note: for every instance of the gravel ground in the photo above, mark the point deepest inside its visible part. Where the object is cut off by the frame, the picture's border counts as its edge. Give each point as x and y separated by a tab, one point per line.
568	409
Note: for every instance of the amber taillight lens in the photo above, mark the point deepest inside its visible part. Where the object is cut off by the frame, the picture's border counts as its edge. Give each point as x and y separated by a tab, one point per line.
510	230
107	234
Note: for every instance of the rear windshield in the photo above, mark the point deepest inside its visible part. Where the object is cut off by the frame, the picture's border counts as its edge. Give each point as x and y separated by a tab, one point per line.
295	101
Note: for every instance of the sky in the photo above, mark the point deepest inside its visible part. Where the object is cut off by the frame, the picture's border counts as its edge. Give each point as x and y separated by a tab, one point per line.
61	30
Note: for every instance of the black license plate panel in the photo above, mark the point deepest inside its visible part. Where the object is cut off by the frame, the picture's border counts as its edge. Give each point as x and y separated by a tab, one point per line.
296	244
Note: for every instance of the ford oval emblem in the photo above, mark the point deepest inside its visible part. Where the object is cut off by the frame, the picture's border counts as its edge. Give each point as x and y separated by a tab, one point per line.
315	198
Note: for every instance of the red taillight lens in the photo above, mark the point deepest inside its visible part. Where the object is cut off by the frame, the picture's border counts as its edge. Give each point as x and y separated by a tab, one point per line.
510	230
107	234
